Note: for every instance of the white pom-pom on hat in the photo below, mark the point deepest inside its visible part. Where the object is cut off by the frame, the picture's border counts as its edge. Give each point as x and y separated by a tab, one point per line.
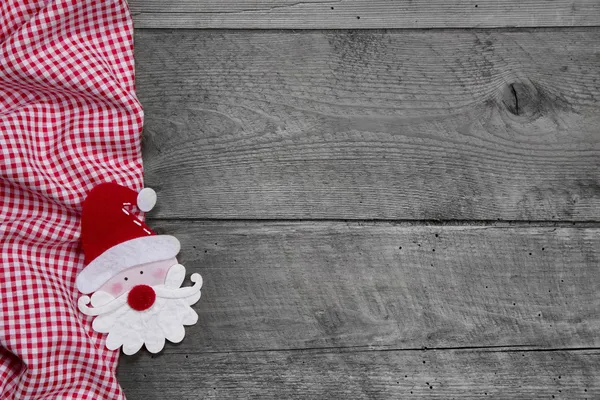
146	199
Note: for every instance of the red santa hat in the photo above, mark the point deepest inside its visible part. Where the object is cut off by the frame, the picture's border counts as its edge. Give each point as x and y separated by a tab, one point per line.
114	239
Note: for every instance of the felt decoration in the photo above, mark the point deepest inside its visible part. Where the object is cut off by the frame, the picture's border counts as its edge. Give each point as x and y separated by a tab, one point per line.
133	273
146	199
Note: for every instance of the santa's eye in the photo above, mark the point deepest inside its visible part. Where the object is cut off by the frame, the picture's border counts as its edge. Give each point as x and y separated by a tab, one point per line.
126	278
141	272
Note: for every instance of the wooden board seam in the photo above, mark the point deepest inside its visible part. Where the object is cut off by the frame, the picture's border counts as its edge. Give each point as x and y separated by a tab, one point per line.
395	222
363	349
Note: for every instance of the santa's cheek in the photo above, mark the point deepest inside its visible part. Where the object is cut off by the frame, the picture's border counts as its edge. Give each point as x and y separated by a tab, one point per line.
159	273
116	289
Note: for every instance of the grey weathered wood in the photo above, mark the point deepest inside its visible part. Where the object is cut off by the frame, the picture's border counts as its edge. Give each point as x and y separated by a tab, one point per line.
277	286
357	14
372	124
363	375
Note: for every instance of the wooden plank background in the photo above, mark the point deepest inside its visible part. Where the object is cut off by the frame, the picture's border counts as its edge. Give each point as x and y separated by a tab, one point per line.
332	309
372	124
449	374
377	213
363	14
280	286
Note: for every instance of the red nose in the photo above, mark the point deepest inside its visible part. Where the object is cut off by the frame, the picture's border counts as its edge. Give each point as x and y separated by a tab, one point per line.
141	297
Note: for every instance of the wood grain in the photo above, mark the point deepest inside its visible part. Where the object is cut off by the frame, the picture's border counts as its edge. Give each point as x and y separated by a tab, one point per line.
279	286
394	125
357	14
363	375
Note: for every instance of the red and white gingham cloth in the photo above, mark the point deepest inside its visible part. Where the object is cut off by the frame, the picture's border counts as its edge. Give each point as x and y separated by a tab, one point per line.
69	119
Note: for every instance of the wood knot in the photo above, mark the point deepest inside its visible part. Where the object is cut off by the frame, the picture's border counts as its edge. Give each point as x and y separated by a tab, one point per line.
522	100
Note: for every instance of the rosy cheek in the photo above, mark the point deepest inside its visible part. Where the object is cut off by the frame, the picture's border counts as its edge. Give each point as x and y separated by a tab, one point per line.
116	288
159	273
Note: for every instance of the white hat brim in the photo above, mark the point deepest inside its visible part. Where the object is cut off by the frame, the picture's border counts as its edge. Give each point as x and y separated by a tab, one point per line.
125	255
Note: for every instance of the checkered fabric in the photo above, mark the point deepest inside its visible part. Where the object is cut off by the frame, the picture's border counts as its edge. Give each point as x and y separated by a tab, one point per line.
69	119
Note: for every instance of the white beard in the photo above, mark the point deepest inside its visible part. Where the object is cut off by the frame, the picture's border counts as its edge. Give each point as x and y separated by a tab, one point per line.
165	319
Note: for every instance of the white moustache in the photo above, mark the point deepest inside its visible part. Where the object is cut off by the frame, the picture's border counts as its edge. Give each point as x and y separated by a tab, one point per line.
166	292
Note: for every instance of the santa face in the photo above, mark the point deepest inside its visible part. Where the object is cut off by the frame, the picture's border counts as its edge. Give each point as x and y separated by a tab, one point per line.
150	274
144	305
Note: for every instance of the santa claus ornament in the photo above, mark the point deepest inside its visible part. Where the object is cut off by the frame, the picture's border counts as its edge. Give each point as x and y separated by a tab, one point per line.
133	273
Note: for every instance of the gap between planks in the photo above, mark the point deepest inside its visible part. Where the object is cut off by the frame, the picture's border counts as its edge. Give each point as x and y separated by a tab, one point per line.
391	222
173	349
439	375
477	29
